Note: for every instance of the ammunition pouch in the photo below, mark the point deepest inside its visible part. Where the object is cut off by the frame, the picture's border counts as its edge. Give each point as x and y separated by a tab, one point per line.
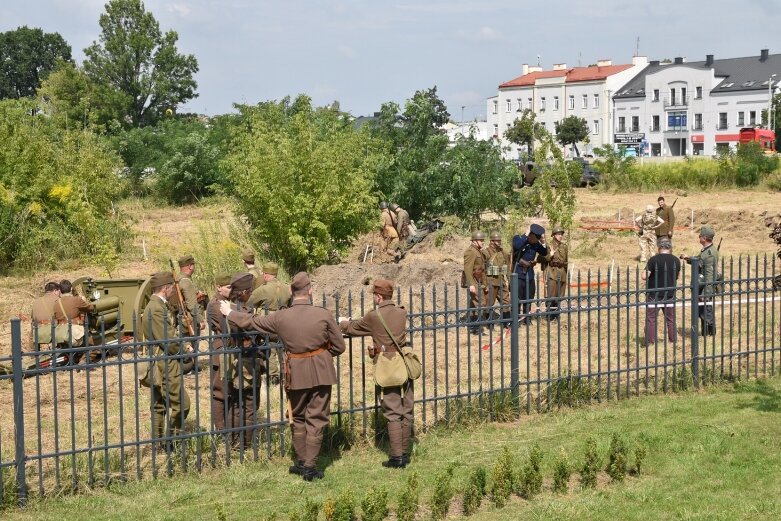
496	271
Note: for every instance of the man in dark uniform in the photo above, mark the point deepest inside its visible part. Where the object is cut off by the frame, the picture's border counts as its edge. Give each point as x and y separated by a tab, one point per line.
312	339
397	402
666	214
525	250
157	326
473	277
709	260
555	269
497	268
270	296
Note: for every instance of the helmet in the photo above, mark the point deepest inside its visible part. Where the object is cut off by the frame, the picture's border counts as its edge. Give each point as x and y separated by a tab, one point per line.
558	229
649	208
477	235
495	236
383	205
393	207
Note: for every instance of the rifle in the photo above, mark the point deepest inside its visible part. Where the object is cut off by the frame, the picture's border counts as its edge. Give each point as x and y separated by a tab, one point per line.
188	320
718	248
673	205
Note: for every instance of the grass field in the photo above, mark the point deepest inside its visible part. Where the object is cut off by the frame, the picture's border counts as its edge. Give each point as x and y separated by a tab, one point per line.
714	454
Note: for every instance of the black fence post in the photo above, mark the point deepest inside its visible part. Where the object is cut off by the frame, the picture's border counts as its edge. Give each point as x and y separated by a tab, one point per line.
16	363
514	354
695	319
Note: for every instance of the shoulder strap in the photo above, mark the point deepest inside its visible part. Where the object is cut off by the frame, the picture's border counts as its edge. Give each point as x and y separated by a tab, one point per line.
387	330
64	314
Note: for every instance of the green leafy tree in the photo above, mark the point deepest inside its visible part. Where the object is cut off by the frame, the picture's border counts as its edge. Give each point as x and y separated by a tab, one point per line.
303	179
27	56
571	131
525	130
137	69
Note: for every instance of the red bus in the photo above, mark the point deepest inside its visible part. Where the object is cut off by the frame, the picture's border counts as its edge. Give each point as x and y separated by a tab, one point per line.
765	138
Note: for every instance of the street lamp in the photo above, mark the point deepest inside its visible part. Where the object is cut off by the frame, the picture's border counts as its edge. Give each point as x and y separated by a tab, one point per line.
770	101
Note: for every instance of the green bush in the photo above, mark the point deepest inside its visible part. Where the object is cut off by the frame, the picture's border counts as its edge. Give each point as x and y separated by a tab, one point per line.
640	453
408	500
502	478
562	470
617	458
531	475
472	498
443	494
590	467
374	506
341	507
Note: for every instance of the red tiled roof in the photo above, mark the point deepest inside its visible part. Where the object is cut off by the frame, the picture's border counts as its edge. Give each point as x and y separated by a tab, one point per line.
571	75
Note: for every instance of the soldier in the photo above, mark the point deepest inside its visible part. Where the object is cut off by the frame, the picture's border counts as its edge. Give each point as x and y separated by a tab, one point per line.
388	230
555	270
473	277
311	338
69	310
709	260
43	315
170	402
218	330
272	295
387	325
497	267
193	299
525	250
402	224
249	264
647	224
666	214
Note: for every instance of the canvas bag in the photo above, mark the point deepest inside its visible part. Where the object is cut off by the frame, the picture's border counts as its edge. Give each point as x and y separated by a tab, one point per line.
413	367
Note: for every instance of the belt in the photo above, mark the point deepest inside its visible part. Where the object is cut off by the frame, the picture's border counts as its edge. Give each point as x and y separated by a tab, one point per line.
77	320
308	354
386	349
43	322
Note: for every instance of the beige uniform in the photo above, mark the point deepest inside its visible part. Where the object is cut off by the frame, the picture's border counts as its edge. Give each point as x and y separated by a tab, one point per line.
647	222
497	272
389	233
44	323
474	275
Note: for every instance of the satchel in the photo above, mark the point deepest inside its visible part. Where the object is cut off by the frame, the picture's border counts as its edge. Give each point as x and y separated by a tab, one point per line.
408	357
389	371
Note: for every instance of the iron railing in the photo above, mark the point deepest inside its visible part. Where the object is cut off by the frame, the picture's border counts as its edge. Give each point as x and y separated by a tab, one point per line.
76	425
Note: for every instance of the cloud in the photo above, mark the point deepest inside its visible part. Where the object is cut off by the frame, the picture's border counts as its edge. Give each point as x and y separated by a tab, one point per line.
181	10
483	34
347	51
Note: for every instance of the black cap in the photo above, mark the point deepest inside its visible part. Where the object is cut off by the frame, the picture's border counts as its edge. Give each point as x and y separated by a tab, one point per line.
537	230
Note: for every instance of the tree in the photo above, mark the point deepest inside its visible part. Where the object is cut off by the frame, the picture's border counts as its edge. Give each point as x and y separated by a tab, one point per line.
27	56
524	131
137	70
303	180
571	131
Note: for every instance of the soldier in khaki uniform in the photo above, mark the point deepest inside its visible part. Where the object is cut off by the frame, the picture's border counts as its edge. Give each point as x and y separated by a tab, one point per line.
69	310
193	299
218	328
473	277
646	224
249	264
312	339
497	268
169	400
388	230
397	402
402	224
555	270
42	316
709	264
272	295
666	214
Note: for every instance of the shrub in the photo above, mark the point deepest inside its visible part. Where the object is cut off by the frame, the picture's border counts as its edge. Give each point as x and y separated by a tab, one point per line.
617	458
408	500
374	506
562	470
472	498
479	478
340	508
531	476
443	494
640	453
502	478
590	468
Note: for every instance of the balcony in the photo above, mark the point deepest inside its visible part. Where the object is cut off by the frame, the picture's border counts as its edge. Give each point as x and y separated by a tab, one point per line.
676	101
697	126
654	128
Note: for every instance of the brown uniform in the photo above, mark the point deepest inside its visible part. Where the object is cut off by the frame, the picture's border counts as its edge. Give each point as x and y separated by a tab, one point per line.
397	408
474	275
44	323
497	268
68	311
668	216
389	232
311	339
555	270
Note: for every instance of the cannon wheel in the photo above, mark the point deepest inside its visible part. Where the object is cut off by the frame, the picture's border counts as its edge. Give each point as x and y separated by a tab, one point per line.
142	297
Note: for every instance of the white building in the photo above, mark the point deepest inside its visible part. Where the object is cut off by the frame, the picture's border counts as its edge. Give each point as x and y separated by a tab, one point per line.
693	108
552	95
477	129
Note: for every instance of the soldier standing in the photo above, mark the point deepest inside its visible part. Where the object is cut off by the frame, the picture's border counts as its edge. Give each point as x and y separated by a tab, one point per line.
387	325
555	270
666	214
249	264
218	331
272	295
473	278
402	224
389	233
192	297
312	339
525	250
647	224
709	260
169	400
497	267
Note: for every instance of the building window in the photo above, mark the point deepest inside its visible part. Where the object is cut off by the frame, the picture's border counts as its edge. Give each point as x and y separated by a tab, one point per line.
531	107
555	103
683	95
677	121
655	124
752	118
509	106
572	102
698	92
741	119
698	122
542	103
520	104
596	101
584	104
621	124
496	106
672	97
596	126
635	123
496	130
722	121
655	95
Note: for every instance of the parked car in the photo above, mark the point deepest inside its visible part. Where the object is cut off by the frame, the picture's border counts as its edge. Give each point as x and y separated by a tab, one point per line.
588	177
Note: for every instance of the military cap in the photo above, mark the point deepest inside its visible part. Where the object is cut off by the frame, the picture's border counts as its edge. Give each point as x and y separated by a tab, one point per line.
477	235
557	229
300	281
393	207
707	232
272	268
383	205
649	208
186	261
242	281
248	256
161	278
537	230
222	279
383	287
495	236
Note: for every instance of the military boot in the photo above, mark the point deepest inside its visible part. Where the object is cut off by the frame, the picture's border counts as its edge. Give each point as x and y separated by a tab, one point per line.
311	474
396	461
297	469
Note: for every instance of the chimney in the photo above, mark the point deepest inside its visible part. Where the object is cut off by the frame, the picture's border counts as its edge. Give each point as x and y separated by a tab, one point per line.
604	63
654	63
535	68
708	60
525	69
763	54
678	60
639	61
559	66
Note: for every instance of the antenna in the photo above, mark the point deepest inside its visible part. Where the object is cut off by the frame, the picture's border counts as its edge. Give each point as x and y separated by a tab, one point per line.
579	64
637	47
538	60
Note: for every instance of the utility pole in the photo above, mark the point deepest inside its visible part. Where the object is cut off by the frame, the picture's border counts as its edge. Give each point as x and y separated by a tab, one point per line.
770	102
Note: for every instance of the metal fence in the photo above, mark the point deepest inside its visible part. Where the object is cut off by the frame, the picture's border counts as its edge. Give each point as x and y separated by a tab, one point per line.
88	423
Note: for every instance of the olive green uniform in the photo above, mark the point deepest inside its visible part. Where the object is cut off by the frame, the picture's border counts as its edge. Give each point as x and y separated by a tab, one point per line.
709	262
402	226
497	268
665	229
268	298
170	399
555	270
474	275
257	277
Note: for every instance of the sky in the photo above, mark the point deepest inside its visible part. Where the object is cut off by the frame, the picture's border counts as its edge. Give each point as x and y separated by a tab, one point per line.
365	53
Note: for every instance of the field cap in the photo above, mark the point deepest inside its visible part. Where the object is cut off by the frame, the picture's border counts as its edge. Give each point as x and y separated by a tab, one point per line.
187	260
300	281
383	287
248	256
161	278
242	281
222	279
707	232
272	268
